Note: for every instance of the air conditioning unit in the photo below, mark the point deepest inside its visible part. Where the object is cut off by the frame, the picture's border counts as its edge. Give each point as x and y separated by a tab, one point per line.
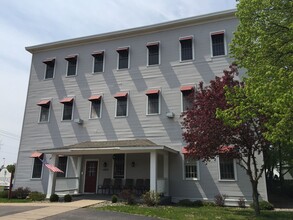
170	115
78	121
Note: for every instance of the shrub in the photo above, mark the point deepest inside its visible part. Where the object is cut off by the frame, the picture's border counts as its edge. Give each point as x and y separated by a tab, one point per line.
67	198
114	199
128	196
241	202
151	198
264	205
4	194
54	198
36	196
220	199
198	203
185	202
21	193
207	203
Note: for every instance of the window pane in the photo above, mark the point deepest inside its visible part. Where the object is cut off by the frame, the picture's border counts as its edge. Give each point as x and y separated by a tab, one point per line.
99	63
95	109
190	167
67	111
187	100
123	59
153	104
119	165
121	106
44	113
71	71
38	166
62	165
49	70
227	169
186	49
153	54
218	44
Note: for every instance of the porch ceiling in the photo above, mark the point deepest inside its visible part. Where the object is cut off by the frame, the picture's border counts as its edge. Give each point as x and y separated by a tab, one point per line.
108	147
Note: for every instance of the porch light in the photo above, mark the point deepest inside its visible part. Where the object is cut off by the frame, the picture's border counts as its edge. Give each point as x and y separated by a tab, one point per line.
132	164
105	164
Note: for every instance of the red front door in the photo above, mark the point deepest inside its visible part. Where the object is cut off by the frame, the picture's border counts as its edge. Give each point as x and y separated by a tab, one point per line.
90	184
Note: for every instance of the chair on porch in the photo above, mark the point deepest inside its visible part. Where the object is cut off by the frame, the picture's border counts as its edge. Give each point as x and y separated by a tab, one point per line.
147	185
107	183
129	184
117	185
139	186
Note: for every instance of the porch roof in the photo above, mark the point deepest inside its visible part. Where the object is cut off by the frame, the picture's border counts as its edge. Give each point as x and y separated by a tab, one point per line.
107	147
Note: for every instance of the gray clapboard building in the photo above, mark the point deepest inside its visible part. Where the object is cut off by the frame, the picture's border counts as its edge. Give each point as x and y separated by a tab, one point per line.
106	108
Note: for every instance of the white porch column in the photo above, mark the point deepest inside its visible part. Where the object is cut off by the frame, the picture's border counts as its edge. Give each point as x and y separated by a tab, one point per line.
52	178
153	171
166	172
77	174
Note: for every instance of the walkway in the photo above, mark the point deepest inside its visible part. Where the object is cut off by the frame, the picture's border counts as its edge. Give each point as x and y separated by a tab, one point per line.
42	210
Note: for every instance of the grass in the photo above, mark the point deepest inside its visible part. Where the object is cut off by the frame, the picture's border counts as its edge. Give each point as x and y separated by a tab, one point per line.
5	200
176	212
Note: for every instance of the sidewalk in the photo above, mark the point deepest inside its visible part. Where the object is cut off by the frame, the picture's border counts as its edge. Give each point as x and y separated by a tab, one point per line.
46	209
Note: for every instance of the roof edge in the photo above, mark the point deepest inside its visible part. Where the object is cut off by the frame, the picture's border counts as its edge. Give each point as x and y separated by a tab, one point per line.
132	31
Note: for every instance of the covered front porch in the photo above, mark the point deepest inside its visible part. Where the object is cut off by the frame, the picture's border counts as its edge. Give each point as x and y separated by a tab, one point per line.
89	164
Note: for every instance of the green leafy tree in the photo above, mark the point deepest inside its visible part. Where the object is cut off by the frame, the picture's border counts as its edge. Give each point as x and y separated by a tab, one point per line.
263	45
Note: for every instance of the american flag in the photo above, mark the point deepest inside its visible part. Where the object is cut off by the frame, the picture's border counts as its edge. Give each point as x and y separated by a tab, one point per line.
53	168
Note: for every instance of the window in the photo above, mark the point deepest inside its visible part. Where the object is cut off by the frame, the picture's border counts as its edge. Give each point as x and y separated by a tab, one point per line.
190	167
50	66
45	110
38	166
98	61
119	163
186	48
67	108
153	101
123	58
218	44
153	53
121	103
95	111
186	92
227	168
71	65
62	165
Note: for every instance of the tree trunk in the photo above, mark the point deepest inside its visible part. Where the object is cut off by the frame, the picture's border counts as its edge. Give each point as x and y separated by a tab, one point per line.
10	185
255	197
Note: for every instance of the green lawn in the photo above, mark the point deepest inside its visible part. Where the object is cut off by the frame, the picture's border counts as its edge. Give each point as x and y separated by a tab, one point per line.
5	200
180	213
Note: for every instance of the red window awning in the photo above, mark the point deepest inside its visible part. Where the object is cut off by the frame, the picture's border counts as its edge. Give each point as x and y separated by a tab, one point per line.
96	53
218	32
152	91
66	100
152	44
122	49
45	102
226	149
52	168
36	154
184	150
186	38
95	97
186	88
49	60
121	94
71	57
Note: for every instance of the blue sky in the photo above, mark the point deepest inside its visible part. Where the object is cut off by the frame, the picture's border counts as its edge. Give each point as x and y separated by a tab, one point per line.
31	22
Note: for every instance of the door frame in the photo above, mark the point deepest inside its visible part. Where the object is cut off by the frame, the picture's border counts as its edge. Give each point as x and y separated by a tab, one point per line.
84	173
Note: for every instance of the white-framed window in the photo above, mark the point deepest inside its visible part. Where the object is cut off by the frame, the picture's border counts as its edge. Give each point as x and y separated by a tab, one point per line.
186	97
218	43
71	65
191	168
67	108
44	110
50	68
153	53
98	61
123	58
121	104
186	48
118	166
62	165
153	102
95	106
37	167
227	168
